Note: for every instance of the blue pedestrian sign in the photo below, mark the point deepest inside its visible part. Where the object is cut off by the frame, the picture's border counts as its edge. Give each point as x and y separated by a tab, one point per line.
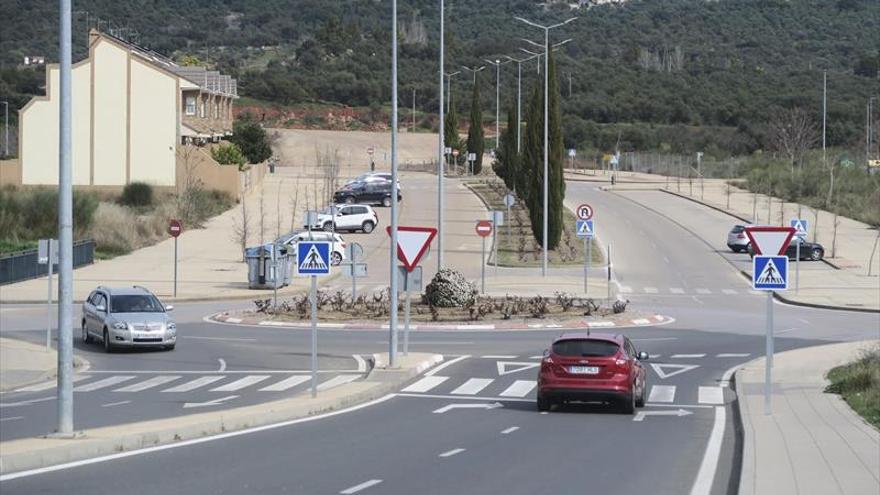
585	228
313	258
770	272
800	226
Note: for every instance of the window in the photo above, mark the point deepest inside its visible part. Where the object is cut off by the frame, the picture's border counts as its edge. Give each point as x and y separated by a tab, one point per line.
585	348
190	105
136	304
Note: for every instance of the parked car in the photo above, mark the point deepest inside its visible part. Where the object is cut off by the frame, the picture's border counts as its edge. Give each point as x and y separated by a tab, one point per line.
737	240
593	367
127	317
372	193
348	217
337	248
373	177
812	251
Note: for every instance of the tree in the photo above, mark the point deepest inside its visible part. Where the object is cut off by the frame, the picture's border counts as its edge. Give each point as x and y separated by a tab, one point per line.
793	132
252	140
556	160
228	154
450	128
529	181
507	158
475	143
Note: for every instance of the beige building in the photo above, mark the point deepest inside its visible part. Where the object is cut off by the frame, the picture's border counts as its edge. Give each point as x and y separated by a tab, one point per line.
133	110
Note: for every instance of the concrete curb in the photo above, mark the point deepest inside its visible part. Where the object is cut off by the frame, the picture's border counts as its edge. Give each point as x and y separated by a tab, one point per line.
31	453
747	461
792	302
80	365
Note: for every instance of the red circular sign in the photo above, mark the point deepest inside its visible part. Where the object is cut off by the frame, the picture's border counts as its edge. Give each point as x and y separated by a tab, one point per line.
584	212
484	228
454	152
370	150
174	228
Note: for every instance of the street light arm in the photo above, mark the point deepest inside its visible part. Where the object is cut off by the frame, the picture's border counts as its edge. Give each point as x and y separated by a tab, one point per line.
561	23
533	54
530	23
539	45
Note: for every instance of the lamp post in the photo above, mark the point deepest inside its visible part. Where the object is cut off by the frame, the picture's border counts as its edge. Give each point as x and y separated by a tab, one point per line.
449	87
497	63
474	71
519	96
546	128
868	130
6	127
392	351
441	155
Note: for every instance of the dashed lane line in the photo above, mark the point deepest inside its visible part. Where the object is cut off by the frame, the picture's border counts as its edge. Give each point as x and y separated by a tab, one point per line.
362	486
450	453
510	430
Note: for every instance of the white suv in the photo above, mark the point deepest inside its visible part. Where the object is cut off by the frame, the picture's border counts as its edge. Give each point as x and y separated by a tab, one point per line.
337	254
348	217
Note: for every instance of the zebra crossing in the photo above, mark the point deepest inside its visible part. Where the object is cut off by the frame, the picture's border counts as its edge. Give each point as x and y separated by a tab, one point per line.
678	291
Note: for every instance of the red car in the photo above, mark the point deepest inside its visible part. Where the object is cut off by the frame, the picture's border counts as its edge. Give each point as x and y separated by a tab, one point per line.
592	368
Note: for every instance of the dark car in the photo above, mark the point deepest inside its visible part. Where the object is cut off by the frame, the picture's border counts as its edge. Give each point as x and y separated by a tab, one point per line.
809	250
366	192
594	367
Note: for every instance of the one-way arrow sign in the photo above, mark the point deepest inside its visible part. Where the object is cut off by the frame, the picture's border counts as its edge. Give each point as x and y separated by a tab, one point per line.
641	415
215	402
494	405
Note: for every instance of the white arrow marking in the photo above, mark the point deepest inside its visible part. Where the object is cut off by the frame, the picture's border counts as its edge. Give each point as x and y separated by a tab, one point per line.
503	367
643	414
679	368
450	407
222	365
215	402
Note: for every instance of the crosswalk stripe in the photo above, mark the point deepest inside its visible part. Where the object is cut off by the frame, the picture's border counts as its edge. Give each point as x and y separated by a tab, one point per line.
626	289
733	354
286	383
729	292
106	382
39	387
194	384
651	290
520	388
147	384
426	383
687	356
337	381
676	290
710	395
662	393
704	291
536	357
473	386
240	383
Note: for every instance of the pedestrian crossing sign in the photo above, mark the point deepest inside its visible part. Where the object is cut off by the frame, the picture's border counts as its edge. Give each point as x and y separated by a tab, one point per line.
585	228
770	272
800	226
313	258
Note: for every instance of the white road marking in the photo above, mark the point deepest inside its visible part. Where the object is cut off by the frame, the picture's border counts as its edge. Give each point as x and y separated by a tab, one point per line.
706	474
509	430
240	383
662	393
462	397
687	356
492	356
215	402
703	291
362	486
147	384
651	290
541	356
434	370
626	289
697	300
473	386
337	381
12	418
39	387
222	365
194	384
362	364
641	415
729	292
519	388
666	260
450	453
676	290
508	367
287	383
25	402
426	383
710	395
114	404
106	382
733	355
660	369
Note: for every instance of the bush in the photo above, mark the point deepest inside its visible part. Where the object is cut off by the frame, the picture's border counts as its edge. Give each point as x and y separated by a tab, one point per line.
859	385
252	140
33	213
228	154
137	194
449	289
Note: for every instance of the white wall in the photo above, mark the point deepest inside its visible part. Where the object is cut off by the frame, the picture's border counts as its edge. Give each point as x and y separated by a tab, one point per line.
111	88
153	125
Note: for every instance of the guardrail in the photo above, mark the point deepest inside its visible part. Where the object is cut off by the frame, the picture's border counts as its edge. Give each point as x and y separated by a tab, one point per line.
22	265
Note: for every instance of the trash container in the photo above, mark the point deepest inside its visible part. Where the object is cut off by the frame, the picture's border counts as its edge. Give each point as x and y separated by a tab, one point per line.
261	272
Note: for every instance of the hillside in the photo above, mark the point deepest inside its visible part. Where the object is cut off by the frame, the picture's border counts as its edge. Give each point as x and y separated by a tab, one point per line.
719	68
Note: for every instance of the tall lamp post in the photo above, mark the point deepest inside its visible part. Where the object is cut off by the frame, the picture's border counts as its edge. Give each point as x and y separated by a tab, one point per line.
546	128
449	87
6	127
497	63
392	351
441	155
474	70
519	96
868	130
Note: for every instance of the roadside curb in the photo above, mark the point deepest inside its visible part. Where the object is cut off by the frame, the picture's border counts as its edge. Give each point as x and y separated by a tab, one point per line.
747	460
35	453
80	365
792	302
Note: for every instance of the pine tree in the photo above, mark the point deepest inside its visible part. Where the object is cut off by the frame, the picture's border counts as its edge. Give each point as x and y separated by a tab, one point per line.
475	142
556	161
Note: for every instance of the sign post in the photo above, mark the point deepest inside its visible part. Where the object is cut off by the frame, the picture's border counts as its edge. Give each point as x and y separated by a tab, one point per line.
47	252
313	259
174	228
586	230
409	280
769	273
484	229
412	244
355	251
497	221
509	201
471	158
800	230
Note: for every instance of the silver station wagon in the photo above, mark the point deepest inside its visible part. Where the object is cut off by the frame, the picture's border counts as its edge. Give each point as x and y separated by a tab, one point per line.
127	317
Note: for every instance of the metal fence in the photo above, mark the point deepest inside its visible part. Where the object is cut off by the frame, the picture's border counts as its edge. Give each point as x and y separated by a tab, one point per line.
15	267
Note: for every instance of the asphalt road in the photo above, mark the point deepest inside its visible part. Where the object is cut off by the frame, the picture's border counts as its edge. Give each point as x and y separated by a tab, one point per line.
500	444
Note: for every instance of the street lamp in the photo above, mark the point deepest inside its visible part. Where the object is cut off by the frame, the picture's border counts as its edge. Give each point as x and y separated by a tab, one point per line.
474	71
449	87
497	63
392	351
868	130
441	152
546	126
6	127
519	95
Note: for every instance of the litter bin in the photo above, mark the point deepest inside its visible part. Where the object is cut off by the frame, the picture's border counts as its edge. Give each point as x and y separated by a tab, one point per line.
261	272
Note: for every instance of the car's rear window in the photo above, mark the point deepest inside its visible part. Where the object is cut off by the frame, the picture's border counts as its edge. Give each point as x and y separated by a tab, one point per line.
135	304
737	229
585	348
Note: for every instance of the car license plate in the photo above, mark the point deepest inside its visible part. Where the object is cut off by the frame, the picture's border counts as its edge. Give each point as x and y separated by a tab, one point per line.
583	370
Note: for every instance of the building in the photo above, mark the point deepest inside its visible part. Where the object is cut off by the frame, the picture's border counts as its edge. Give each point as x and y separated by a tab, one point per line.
132	111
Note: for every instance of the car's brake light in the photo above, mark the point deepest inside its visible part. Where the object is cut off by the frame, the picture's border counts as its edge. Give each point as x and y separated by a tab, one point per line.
740	236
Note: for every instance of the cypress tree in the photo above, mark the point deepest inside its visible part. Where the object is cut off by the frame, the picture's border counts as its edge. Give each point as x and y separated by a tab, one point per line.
507	158
475	142
530	177
450	127
556	159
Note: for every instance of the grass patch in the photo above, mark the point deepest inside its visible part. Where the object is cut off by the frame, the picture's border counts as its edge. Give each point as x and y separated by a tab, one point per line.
516	244
13	246
858	383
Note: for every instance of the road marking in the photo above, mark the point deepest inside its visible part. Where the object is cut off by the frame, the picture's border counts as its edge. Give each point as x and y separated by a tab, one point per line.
231	339
703	291
215	402
676	290
509	430
710	395
362	364
519	388
426	383
626	289
462	397
541	356
106	382
641	415
662	393
729	292
691	406
208	372
733	355
666	260
39	387
194	384
362	486
433	371
508	367
26	402
697	300
114	404
449	407
287	383
450	453
687	356
337	381
222	365
492	356
660	369
240	383
651	290
473	386
11	418
147	384
706	474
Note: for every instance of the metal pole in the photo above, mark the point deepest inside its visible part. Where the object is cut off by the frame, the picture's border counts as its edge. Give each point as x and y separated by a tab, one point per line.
392	344
175	267
797	266
518	110
483	268
406	313
440	152
353	276
498	102
586	266
65	232
6	127
414	111
546	147
824	111
495	247
768	358
50	260
313	299
609	273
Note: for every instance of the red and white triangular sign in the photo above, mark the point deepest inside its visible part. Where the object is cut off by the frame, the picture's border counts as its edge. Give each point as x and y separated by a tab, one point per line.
412	243
770	241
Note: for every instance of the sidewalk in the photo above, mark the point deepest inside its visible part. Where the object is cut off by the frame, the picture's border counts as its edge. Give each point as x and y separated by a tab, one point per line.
22	364
813	442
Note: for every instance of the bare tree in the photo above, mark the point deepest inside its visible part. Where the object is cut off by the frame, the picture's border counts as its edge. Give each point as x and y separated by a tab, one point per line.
793	132
189	189
293	203
262	214
278	210
241	226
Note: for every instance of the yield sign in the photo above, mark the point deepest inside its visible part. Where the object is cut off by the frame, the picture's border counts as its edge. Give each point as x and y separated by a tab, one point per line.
660	369
508	367
770	241
412	243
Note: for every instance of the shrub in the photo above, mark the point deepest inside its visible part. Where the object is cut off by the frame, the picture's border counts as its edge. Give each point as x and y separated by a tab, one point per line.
228	154
449	289
251	139
137	194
